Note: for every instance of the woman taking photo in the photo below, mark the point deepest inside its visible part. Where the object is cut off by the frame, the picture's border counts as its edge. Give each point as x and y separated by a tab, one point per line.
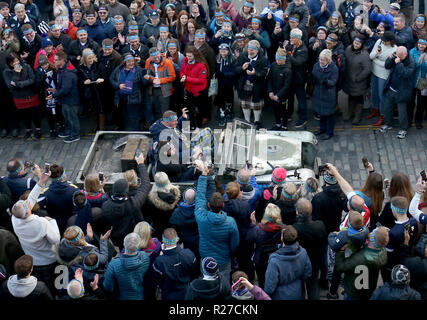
90	75
20	79
383	49
194	75
131	91
419	54
325	76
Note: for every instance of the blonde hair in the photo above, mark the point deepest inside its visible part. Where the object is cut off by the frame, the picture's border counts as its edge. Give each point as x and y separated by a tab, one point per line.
131	178
326	53
272	212
71	233
291	189
143	229
86	52
92	183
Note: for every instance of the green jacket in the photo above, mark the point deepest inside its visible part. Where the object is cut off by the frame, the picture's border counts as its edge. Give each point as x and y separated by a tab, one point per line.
355	285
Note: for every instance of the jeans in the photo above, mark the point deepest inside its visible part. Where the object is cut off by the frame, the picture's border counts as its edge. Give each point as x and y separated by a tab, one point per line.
225	273
302	102
421	7
327	124
132	116
312	285
389	102
421	107
378	85
72	122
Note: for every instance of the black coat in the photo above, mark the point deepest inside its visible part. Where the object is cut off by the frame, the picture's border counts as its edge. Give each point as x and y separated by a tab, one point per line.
404	72
287	210
124	214
5	203
141	52
200	289
261	69
174	269
325	92
31	49
63	39
298	61
10	250
40	293
241	211
418	269
386	217
328	206
75	50
279	80
312	236
22	85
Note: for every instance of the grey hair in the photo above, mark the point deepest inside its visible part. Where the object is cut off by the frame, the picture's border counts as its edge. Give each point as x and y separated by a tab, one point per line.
19	6
18	211
244	175
132	242
326	53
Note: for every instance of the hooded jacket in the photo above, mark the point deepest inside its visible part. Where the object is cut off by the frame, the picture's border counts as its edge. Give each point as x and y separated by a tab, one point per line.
127	273
287	268
24	289
260	235
123	213
159	208
219	235
240	210
251	192
325	88
391	291
184	222
174	269
328	206
69	255
200	289
10	250
279	80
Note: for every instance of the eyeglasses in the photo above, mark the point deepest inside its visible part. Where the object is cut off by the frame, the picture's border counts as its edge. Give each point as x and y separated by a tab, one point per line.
102	12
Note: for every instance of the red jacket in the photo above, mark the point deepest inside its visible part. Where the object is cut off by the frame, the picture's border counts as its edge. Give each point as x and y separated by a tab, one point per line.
196	76
51	57
72	31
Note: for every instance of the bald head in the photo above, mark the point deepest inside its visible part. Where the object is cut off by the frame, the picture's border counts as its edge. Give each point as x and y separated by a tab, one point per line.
74	289
189	195
356	203
304	207
402	53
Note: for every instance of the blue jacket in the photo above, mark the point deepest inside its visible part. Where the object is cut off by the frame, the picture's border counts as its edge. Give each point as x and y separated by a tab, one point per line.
128	273
96	32
252	192
58	202
174	269
404	71
108	27
219	236
390	291
378	17
321	17
324	94
419	67
18	185
287	268
404	37
67	90
184	221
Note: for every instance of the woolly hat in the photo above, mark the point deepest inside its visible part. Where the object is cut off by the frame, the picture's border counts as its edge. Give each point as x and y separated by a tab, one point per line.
388	36
254	44
161	179
329	179
120	188
154	14
279	175
400	275
46	42
209	266
296	33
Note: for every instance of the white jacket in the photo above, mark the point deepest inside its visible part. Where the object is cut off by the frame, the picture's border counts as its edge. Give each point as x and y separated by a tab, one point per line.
36	234
378	60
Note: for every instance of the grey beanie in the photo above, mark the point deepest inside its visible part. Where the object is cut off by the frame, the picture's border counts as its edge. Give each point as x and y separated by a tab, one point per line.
120	188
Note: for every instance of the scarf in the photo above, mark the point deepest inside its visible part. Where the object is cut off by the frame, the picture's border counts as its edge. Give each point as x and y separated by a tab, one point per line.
270	227
50	83
127	77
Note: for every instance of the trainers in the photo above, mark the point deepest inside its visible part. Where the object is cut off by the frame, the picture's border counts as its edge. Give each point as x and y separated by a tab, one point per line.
300	123
63	135
37	134
401	134
385	128
71	139
28	134
316	116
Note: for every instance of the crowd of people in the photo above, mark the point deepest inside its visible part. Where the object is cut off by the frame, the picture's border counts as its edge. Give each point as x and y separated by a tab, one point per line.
139	66
238	241
124	64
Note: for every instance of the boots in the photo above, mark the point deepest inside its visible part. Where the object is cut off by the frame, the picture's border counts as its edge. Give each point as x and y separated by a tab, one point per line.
348	113
380	122
373	114
101	122
357	113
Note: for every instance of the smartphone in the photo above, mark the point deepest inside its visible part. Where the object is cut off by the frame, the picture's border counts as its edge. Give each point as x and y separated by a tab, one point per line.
235	284
138	152
423	175
322	169
249	165
28	164
101	176
365	162
46	168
